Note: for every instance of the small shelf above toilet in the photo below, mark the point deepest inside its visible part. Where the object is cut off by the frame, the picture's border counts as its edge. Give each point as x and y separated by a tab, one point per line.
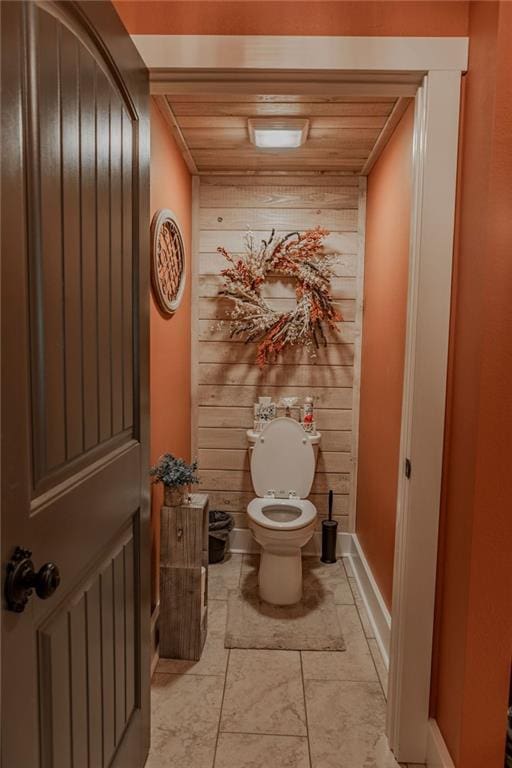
252	436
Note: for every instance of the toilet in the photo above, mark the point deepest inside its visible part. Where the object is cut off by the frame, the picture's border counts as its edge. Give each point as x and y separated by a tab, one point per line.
281	518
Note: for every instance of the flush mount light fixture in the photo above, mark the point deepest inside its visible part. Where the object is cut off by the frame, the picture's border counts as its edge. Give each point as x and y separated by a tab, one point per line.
279	133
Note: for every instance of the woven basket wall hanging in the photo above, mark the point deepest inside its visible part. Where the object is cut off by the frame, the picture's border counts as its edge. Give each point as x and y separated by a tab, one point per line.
167	261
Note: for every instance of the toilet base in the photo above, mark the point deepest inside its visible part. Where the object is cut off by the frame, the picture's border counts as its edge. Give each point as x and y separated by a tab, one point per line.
280	577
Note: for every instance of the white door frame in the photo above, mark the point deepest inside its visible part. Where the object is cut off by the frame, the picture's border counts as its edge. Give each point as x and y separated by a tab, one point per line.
436	128
431	69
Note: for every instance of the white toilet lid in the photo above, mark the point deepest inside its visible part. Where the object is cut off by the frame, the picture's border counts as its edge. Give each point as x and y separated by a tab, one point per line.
283	460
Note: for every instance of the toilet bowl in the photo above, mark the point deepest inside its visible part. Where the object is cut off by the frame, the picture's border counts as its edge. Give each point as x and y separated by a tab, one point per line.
281	519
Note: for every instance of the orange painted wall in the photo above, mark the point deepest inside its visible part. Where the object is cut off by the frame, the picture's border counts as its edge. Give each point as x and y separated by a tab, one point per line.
293	17
474	607
170	342
383	345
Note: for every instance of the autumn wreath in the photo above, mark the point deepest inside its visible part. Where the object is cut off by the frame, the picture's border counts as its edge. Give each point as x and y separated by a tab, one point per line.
297	255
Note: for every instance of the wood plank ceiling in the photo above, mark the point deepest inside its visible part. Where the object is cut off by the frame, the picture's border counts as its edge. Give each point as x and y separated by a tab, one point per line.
345	134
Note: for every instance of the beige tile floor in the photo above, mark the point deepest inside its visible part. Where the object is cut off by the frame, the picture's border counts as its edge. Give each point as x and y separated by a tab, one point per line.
274	709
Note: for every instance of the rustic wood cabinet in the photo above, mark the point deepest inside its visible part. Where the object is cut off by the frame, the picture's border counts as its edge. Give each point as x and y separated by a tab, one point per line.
184	579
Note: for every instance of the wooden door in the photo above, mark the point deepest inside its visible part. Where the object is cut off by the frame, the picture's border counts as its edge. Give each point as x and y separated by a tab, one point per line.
75	666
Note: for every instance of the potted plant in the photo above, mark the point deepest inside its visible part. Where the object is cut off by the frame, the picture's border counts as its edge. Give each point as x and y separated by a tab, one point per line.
176	476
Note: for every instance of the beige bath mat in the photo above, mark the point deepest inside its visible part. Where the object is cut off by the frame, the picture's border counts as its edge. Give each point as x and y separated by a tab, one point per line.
311	625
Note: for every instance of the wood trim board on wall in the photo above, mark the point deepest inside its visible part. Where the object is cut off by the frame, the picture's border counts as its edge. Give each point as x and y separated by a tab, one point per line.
194	290
361	229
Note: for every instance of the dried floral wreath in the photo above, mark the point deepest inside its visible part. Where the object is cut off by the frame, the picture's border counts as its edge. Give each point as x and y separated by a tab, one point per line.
298	255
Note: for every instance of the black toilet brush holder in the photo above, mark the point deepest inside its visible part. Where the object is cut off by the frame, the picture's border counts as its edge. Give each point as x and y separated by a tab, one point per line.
329	536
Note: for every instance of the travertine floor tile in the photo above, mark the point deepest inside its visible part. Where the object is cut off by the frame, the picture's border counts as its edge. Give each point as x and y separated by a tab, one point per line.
263	721
224	576
241	750
379	663
214	658
249	572
264	693
346	725
185	713
320	577
363	615
355	663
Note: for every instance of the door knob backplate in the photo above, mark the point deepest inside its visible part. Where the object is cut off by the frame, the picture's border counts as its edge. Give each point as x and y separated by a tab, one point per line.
21	579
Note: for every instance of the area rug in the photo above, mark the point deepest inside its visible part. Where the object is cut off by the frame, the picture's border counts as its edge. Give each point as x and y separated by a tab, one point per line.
311	625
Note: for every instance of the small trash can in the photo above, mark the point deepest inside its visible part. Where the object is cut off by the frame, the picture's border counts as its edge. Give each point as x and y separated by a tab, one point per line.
220	524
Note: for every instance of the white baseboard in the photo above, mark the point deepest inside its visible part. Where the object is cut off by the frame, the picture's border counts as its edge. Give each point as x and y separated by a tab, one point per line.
241	541
378	614
437	752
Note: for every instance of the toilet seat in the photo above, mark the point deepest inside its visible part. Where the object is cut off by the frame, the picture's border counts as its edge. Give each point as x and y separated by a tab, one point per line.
306	513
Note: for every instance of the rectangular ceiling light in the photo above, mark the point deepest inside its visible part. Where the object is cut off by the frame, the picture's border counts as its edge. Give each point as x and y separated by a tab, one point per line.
279	133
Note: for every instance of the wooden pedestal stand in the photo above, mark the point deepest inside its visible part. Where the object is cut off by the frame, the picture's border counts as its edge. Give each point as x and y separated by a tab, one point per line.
183	585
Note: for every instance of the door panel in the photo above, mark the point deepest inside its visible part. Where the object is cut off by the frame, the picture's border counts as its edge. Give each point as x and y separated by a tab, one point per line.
79	152
96	630
75	667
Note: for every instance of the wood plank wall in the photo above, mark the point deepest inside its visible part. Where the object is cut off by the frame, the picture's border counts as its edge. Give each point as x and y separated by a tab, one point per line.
226	382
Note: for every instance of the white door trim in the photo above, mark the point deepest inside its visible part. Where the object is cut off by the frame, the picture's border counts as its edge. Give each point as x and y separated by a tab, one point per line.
277	52
423	412
386	64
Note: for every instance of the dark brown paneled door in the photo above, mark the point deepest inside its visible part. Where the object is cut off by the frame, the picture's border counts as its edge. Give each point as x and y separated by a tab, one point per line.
75	667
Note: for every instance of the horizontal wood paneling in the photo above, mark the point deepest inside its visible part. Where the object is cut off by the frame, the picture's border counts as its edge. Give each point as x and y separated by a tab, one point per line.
213	263
218	160
233	240
342	133
217	437
207	96
345	333
243	417
228	381
342	139
277	288
218	309
301	375
243	395
283	195
230	352
215	458
275	108
240	121
299	178
263	219
229	480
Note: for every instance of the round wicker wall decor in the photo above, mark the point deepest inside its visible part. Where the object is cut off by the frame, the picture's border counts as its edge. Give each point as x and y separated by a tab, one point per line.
167	261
